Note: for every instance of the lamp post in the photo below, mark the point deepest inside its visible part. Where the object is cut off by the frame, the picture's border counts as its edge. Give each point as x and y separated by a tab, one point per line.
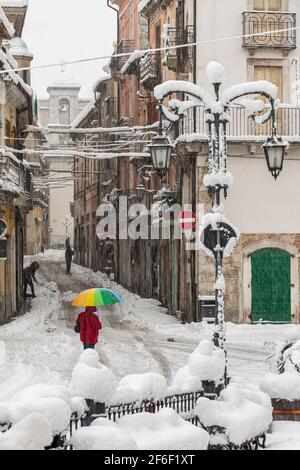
218	231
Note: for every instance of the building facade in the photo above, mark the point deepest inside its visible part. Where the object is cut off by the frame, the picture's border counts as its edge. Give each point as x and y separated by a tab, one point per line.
15	176
56	113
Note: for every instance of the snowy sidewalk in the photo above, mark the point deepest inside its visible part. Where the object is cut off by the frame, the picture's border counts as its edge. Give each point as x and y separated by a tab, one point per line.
41	346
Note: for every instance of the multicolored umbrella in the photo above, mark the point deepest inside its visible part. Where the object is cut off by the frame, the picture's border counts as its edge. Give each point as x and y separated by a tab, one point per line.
97	298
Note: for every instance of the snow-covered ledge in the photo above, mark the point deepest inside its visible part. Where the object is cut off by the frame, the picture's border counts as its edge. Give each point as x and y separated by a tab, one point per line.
246	277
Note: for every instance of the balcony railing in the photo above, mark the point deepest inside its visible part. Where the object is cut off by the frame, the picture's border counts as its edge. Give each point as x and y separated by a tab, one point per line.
15	177
176	37
126	46
259	29
150	70
242	126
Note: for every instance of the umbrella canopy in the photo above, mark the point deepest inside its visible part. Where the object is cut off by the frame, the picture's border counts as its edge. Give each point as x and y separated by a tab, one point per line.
97	298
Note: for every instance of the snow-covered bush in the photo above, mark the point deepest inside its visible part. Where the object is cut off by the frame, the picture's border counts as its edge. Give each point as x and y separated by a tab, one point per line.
102	435
185	382
208	362
242	412
139	387
165	430
55	410
285	383
91	380
31	433
53	403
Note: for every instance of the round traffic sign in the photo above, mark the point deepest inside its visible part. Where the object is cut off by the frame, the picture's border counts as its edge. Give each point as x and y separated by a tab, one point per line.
187	220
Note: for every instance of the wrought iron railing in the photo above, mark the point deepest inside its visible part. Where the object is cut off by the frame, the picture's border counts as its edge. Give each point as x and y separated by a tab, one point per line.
269	29
242	126
183	404
179	36
150	70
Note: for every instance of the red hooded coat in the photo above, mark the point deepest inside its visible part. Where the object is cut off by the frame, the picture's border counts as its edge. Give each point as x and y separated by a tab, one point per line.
89	326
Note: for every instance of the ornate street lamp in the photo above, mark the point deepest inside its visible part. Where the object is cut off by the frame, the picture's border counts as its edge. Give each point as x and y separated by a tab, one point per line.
275	150
161	152
218	178
161	149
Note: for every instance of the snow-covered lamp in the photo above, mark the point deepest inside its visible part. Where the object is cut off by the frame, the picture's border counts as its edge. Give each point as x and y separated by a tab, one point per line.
275	149
161	152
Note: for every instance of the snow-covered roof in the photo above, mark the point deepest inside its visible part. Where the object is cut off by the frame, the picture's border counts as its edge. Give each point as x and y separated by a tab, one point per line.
101	80
14	76
7	30
14	3
65	80
18	48
84	113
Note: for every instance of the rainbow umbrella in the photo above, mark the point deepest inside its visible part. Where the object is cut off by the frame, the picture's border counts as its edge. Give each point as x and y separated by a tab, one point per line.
97	298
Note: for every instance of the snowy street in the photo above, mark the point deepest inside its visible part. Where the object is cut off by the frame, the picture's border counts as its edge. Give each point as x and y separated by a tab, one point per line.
138	337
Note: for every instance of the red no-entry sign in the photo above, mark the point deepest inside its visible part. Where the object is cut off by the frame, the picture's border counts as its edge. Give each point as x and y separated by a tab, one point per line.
187	220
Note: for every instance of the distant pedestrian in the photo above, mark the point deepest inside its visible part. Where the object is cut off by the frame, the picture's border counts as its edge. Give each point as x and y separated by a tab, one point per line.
69	253
29	277
88	325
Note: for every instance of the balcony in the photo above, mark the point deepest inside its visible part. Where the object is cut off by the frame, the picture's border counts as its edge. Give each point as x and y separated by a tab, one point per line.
15	177
177	60
150	70
242	128
126	46
259	22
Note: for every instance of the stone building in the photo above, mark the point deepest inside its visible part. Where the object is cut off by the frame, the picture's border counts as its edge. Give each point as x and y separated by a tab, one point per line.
15	176
262	275
56	113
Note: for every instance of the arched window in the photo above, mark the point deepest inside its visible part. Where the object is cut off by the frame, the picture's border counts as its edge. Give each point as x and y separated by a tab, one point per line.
64	112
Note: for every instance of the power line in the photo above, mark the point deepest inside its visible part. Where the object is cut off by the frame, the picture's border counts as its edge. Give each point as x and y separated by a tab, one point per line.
145	51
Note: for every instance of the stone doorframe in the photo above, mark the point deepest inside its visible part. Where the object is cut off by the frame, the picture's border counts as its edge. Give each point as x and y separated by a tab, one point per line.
246	297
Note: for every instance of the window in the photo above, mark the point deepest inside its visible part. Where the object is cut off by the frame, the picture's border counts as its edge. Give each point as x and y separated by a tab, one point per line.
64	112
267	5
272	74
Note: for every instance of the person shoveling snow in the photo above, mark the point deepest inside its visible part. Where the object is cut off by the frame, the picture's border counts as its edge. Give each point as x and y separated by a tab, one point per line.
28	278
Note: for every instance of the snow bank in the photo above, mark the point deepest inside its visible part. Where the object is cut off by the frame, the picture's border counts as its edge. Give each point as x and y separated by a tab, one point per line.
285	386
91	380
139	387
163	431
31	433
244	414
102	435
207	362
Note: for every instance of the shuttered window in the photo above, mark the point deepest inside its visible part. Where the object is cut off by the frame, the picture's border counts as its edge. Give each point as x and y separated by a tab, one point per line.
267	5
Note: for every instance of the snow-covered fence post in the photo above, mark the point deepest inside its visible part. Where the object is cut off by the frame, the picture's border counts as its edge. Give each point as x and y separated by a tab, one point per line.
95	410
219	237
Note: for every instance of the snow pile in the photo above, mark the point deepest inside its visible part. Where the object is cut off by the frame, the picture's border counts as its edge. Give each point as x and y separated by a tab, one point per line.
285	384
242	413
54	410
206	363
31	433
53	403
139	387
102	435
165	430
185	382
91	380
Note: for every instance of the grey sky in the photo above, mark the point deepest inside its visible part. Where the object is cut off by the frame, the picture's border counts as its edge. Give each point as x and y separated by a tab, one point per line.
69	29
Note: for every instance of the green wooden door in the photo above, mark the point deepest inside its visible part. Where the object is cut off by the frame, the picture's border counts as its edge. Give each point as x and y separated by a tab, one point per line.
271	286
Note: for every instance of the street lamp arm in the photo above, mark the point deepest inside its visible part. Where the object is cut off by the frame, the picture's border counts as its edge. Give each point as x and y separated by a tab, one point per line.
180	86
262	87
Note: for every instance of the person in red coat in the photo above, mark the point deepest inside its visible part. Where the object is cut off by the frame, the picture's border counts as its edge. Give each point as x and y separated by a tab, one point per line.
88	325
